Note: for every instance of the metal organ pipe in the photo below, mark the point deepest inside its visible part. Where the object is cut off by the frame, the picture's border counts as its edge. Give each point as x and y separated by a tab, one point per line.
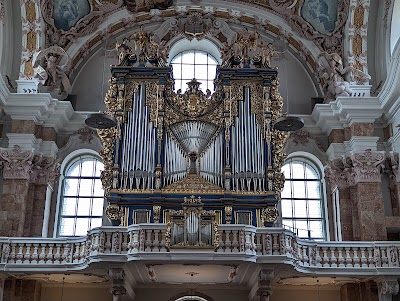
212	165
175	161
138	146
247	149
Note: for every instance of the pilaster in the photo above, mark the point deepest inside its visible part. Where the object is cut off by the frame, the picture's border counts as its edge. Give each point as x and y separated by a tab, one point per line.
23	198
367	168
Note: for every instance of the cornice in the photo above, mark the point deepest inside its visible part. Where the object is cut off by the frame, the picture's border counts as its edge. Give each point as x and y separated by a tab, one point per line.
345	111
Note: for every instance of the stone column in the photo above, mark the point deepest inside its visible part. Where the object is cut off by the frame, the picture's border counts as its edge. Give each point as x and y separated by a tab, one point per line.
370	206
117	279
339	176
17	166
387	288
22	203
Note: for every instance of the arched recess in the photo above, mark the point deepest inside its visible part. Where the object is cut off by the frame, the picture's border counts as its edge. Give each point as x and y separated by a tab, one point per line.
298	82
181	296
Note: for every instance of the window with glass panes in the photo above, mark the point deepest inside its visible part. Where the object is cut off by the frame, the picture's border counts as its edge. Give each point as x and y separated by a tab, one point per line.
194	64
82	198
302	199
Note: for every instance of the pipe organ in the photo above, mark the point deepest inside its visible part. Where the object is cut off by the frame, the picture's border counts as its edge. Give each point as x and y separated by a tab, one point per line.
167	146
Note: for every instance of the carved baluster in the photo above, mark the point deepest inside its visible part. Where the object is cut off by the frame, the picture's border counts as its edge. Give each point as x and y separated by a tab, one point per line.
221	241
148	240
248	244
236	242
341	258
275	245
135	243
371	258
42	255
20	254
27	255
228	243
156	241
13	254
68	251
57	256
49	257
364	259
326	258
75	256
384	258
348	259
356	259
305	256
35	255
257	239
162	240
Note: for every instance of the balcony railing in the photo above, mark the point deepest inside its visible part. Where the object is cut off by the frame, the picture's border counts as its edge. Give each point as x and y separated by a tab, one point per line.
233	243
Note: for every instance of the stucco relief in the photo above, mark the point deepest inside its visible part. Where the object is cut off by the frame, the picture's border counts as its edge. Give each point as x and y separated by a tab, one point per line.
67	20
357	35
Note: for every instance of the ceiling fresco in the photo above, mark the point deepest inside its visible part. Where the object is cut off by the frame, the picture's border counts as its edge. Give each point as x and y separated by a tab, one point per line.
321	14
66	13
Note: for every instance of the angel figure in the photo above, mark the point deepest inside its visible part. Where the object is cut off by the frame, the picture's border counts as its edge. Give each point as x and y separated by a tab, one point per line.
51	66
123	51
267	52
334	74
245	43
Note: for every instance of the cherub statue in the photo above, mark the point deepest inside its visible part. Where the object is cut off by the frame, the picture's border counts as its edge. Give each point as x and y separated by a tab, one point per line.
334	74
246	42
266	53
123	51
51	66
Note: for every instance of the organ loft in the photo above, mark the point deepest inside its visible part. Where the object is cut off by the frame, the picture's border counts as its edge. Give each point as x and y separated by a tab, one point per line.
205	155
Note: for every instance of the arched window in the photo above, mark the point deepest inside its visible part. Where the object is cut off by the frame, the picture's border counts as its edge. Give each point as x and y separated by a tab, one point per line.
191	298
395	26
303	199
82	196
197	64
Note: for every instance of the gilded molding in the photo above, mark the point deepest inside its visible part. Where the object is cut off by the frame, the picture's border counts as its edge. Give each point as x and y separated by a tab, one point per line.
357	35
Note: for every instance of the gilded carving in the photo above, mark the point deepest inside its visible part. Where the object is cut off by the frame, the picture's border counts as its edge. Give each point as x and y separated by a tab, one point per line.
114	212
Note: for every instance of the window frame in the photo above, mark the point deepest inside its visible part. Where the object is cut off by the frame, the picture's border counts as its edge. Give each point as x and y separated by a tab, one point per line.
66	164
194	64
315	164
